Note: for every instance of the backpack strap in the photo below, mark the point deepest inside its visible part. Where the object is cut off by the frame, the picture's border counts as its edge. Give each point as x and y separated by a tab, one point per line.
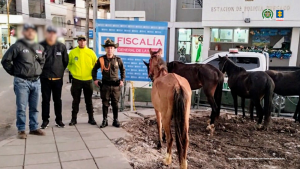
102	64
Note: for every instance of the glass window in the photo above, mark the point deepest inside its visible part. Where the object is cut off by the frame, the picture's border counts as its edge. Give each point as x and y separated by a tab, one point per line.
214	35
192	4
226	35
12	7
37	8
241	35
248	62
58	21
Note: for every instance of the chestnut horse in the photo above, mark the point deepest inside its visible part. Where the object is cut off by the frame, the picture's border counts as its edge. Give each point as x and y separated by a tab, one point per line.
171	97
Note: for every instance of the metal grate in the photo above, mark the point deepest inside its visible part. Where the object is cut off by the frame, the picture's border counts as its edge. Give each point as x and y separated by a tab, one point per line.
192	4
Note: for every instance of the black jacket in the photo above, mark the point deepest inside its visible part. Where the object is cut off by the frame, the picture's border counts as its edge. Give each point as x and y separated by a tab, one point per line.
57	60
21	62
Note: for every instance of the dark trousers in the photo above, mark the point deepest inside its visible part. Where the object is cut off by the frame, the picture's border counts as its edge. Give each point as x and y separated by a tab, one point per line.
110	93
77	87
54	87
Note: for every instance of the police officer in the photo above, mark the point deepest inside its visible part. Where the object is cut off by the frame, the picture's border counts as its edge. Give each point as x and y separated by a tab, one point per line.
57	60
24	60
110	88
81	62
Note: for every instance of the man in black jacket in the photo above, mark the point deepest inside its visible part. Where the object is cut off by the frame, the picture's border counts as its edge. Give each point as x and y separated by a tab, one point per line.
57	60
25	60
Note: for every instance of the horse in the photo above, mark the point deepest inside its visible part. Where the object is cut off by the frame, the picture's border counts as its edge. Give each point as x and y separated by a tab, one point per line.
171	98
253	85
287	84
204	76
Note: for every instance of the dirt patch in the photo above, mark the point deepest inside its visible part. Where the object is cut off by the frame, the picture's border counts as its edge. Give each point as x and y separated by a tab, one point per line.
235	137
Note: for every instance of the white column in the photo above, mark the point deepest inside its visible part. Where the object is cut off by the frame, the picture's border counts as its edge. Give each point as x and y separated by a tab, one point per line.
48	12
294	46
172	30
112	9
206	42
95	9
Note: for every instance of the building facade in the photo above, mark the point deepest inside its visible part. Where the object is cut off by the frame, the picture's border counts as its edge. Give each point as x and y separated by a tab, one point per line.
221	25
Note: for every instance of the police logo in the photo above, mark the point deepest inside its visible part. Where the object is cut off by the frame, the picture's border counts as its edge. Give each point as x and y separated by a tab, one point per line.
25	51
58	53
267	14
117	64
76	58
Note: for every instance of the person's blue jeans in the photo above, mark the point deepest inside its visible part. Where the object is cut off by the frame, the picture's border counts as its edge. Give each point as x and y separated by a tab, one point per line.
27	93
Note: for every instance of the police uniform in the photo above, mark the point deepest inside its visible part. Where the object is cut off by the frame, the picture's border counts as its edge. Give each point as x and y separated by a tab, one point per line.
110	88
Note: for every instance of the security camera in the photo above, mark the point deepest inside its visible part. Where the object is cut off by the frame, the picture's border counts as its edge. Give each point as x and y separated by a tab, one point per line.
247	20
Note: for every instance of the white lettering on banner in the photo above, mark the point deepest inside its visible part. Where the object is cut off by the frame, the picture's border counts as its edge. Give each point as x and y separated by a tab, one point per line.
249	8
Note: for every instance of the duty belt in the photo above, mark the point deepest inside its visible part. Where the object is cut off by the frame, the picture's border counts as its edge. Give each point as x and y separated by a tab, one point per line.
111	83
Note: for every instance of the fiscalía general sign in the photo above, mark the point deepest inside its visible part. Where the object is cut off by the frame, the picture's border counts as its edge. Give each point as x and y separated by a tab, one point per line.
134	38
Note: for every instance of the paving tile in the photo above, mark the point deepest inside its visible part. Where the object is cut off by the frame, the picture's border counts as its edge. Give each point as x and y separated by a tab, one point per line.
133	115
92	136
44	166
11	161
86	125
117	134
45	158
75	155
88	164
99	144
115	162
48	131
65	129
67	137
19	167
40	148
95	130
105	152
121	118
111	128
71	146
147	112
16	142
12	150
33	140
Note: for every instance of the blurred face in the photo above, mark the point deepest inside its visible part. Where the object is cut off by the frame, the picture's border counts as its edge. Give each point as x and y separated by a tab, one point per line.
51	37
29	34
110	50
81	43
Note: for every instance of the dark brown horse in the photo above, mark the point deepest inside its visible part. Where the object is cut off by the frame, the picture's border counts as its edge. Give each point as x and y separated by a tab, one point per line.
287	84
204	76
253	85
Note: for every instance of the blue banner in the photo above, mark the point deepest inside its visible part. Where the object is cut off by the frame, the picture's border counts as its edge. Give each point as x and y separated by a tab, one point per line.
134	38
91	33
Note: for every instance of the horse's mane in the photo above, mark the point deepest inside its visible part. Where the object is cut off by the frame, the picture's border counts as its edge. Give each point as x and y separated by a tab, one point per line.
161	64
236	67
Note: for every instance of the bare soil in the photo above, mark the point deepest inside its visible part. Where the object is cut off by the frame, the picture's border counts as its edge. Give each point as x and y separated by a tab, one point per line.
235	137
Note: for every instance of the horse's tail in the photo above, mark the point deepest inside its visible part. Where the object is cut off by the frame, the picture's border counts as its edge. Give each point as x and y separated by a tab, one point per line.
181	123
218	94
268	98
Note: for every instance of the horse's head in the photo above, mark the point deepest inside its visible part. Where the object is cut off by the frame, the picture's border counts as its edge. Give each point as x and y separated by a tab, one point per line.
147	65
156	63
222	63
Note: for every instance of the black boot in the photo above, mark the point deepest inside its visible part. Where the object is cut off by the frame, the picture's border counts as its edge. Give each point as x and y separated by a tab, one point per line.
105	112
91	119
116	122
73	122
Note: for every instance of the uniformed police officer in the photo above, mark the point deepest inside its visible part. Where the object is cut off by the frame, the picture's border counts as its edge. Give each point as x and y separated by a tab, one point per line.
110	88
25	60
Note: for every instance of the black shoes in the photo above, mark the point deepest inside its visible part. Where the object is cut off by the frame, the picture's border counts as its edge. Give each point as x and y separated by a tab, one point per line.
45	124
104	123
92	121
60	124
116	123
73	122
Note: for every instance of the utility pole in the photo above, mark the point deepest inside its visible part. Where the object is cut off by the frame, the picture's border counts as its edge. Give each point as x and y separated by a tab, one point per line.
8	25
95	9
87	8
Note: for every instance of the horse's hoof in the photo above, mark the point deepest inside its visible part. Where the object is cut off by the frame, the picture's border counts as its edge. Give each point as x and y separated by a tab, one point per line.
183	165
168	159
211	128
259	126
164	141
208	122
159	146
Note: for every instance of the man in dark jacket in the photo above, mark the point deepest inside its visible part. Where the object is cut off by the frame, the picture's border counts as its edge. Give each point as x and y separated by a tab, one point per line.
57	60
25	60
110	89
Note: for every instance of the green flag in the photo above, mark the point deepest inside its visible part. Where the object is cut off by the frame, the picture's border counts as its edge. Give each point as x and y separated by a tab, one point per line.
198	59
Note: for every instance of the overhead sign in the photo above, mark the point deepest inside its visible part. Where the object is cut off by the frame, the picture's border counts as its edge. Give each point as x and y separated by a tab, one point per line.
91	33
134	38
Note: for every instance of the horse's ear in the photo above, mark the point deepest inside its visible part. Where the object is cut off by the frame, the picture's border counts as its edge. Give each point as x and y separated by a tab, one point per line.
159	52
220	57
147	64
226	56
150	51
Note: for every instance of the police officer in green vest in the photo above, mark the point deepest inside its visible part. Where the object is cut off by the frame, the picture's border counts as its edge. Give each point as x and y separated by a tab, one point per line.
110	88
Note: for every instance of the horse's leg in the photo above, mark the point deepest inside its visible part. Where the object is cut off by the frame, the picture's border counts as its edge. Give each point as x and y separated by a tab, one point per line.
259	112
297	118
235	104
243	106
213	105
167	126
159	128
251	106
164	136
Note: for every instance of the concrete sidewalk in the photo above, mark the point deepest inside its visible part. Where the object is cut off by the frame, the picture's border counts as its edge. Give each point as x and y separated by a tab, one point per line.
74	147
